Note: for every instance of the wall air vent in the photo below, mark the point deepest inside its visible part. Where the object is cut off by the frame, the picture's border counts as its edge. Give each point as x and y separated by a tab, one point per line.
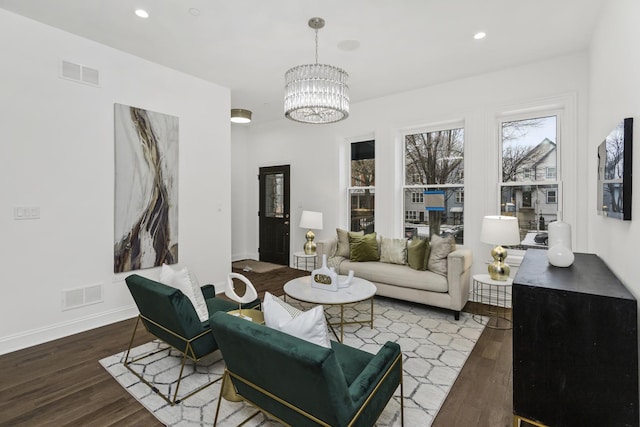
80	297
79	73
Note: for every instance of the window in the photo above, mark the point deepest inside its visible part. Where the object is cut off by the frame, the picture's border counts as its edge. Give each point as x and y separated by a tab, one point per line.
410	215
362	189
434	160
550	173
529	159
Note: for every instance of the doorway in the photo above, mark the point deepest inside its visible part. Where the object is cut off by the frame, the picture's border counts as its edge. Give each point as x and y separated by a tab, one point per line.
274	221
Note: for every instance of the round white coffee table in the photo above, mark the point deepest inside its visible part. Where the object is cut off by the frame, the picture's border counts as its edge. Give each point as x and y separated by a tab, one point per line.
359	290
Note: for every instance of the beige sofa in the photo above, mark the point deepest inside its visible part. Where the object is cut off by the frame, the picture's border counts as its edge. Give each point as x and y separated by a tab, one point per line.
403	282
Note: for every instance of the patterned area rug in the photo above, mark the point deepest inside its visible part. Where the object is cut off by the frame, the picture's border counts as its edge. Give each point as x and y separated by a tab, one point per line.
434	346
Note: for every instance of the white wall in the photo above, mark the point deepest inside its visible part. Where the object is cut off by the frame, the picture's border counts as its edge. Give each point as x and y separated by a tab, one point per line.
318	153
614	88
56	152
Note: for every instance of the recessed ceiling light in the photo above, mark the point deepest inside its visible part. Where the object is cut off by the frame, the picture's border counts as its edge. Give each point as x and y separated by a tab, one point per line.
194	12
142	13
479	36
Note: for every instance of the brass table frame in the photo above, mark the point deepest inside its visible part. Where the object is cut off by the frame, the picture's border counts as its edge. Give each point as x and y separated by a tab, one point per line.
341	323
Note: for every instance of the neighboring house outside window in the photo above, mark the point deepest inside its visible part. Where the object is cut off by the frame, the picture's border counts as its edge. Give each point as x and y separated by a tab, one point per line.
529	160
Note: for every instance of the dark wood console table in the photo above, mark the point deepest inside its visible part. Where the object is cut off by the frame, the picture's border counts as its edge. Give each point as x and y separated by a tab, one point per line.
575	344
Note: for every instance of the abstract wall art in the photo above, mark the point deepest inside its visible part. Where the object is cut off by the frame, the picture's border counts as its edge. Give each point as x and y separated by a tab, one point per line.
146	189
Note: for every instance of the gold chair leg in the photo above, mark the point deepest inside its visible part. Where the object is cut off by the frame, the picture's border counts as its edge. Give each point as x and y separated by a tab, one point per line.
517	421
401	396
225	378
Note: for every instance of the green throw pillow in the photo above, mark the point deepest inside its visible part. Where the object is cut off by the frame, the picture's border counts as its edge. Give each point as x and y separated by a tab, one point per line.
363	248
417	253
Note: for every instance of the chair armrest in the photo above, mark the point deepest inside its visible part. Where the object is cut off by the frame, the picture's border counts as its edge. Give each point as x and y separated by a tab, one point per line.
458	276
208	291
326	247
376	371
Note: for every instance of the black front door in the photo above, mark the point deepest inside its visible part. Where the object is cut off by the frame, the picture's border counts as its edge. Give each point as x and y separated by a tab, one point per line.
274	214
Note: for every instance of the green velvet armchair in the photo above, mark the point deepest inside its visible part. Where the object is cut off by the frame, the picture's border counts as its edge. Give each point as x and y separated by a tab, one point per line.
169	315
302	384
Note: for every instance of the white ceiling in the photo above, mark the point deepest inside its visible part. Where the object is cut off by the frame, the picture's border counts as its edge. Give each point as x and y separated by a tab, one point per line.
247	45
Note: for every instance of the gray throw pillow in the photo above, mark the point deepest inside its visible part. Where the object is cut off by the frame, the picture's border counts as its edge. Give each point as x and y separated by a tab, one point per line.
342	249
441	247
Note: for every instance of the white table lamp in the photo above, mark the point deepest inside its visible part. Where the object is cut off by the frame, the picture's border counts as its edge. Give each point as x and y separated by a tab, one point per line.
310	220
500	230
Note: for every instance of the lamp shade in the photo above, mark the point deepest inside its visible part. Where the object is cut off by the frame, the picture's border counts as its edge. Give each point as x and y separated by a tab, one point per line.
311	220
500	230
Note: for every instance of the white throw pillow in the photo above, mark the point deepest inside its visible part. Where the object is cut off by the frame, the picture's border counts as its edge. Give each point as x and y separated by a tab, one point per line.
189	286
307	325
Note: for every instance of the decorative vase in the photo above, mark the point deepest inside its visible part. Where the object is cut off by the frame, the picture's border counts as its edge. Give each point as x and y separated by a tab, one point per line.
324	277
559	234
559	253
560	256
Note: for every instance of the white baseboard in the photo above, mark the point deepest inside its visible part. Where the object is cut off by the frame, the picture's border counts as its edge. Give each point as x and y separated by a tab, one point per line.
37	336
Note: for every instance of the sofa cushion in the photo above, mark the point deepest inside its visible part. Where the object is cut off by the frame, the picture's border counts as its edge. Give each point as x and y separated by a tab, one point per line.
363	248
397	275
418	253
308	325
441	247
343	248
393	251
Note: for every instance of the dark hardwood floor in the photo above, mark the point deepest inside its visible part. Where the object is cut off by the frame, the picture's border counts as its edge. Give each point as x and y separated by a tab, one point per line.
61	383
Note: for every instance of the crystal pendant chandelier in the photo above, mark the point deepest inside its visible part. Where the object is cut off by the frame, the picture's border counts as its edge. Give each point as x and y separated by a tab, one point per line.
316	93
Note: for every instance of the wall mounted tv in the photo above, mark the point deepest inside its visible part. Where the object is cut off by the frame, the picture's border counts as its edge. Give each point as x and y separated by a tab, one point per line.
615	171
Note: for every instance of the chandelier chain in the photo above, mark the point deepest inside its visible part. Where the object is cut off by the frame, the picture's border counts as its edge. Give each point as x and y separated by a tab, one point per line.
316	45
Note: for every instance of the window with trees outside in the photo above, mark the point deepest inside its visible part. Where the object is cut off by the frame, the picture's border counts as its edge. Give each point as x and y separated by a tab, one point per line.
434	160
362	192
529	184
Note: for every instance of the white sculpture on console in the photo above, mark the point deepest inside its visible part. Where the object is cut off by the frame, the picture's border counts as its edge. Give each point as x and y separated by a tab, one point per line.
559	253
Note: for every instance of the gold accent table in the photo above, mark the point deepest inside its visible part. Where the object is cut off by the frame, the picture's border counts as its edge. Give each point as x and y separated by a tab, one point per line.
309	260
359	290
492	296
254	315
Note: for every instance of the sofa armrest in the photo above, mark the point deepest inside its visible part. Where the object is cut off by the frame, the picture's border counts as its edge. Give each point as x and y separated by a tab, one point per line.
458	276
326	247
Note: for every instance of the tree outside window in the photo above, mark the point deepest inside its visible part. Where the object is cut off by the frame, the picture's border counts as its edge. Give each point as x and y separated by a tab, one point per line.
434	160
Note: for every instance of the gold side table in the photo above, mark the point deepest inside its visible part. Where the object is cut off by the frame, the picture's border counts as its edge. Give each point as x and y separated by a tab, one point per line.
493	298
310	260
